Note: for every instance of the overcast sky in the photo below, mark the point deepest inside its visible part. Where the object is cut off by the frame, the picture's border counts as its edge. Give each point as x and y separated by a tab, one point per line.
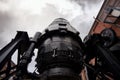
35	15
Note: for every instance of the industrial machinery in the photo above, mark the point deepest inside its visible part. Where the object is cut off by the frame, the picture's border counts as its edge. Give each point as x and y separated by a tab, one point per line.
62	55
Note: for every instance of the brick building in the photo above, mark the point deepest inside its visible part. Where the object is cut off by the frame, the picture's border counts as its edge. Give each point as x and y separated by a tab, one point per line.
108	17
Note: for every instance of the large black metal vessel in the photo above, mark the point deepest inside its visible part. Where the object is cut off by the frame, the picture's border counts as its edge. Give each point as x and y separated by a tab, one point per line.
62	55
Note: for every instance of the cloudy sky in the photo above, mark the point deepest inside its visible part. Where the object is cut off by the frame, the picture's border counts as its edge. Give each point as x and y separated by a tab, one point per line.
35	15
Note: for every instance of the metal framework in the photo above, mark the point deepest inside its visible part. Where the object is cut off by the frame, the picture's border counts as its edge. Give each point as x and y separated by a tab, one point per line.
62	55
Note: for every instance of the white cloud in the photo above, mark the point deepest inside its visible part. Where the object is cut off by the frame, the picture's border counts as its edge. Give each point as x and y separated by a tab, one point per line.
36	15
